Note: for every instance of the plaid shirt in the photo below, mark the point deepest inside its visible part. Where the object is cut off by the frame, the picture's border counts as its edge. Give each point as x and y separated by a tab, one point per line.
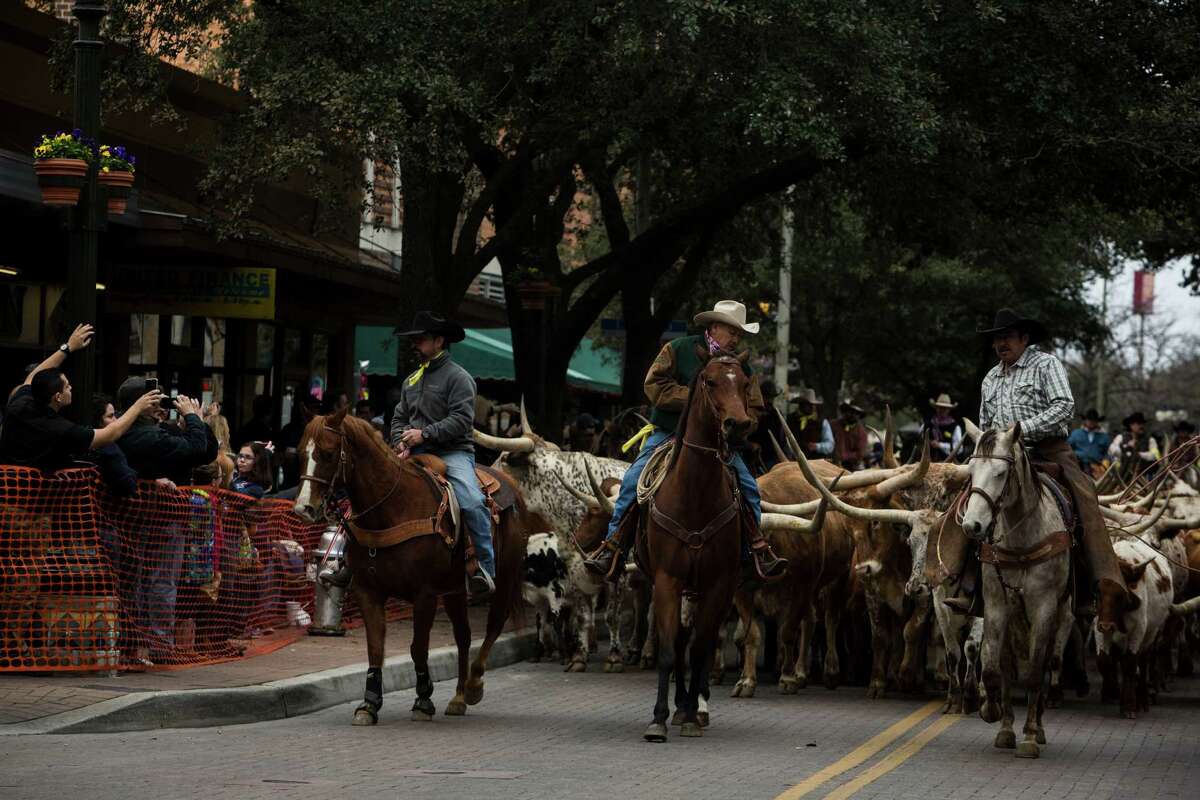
1033	391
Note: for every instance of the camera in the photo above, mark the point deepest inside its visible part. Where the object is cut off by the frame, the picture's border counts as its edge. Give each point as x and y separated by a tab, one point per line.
167	403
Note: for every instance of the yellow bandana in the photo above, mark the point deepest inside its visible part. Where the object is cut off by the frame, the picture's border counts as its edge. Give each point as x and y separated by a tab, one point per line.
638	438
415	378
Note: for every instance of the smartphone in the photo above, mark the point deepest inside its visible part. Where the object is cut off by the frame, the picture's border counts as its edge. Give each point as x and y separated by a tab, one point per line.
151	384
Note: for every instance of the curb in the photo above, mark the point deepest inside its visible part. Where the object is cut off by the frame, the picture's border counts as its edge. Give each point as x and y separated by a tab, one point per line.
291	697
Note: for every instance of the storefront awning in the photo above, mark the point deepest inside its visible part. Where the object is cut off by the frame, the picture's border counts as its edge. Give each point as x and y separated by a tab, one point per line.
487	354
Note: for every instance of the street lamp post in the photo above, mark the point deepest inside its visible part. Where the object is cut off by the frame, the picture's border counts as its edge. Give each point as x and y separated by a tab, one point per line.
88	218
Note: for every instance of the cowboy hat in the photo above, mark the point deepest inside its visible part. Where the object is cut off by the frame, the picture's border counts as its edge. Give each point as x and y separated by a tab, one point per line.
807	396
1007	319
1094	415
1136	416
943	401
731	312
427	322
849	403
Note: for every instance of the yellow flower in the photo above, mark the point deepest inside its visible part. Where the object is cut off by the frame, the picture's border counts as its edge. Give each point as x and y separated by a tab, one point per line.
104	169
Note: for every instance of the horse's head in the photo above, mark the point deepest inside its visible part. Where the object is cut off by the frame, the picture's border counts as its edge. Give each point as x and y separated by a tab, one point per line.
995	466
725	389
323	461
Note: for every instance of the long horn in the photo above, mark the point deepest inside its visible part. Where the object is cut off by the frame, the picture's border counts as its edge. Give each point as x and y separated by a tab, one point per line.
880	514
959	475
855	480
779	454
1103	481
521	444
972	430
526	428
883	491
589	502
783	426
794	524
889	438
1186	607
606	503
795	509
1138	530
1145	502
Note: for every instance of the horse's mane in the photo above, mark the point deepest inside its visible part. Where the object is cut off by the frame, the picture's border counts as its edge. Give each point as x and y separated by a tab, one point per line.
366	432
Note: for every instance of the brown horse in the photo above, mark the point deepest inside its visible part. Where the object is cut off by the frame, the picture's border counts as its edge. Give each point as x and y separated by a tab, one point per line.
692	542
392	497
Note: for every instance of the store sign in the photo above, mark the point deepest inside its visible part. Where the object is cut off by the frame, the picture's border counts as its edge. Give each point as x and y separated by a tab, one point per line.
230	292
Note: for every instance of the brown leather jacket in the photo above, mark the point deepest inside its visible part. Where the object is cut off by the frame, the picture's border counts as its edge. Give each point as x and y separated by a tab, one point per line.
667	385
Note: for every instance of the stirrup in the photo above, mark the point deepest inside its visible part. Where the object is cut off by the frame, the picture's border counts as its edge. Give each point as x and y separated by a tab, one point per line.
480	585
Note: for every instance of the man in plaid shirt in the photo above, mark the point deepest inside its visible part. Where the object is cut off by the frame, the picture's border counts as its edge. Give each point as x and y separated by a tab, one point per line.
1030	386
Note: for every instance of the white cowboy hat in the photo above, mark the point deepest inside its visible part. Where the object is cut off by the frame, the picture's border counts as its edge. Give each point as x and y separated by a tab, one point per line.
731	312
806	396
943	401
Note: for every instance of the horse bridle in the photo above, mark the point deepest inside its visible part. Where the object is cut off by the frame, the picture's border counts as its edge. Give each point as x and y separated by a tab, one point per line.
721	452
340	471
994	504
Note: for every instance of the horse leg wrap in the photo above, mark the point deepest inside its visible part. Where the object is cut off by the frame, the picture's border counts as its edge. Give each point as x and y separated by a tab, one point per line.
373	696
424	685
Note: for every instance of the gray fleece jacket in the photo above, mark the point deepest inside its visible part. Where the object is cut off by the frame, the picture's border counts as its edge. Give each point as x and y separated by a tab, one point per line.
441	404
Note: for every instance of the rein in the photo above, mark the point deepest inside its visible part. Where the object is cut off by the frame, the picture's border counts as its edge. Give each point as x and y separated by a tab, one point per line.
343	466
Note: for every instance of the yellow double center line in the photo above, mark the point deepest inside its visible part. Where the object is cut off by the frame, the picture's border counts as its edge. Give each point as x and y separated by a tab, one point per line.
868	749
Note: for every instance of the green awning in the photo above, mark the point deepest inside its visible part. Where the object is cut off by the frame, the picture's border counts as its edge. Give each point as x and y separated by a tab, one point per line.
487	354
376	345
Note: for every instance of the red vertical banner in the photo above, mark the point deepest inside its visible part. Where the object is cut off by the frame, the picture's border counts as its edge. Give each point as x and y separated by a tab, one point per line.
1143	292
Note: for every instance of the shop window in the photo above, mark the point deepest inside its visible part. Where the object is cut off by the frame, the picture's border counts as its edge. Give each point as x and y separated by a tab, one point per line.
214	343
292	346
20	312
265	346
143	338
179	331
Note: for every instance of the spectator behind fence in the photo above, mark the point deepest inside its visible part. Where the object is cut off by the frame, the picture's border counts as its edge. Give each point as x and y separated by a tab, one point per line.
155	450
34	433
220	428
253	475
115	471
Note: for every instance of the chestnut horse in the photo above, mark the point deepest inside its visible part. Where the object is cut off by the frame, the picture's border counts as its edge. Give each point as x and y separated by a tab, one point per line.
388	493
692	542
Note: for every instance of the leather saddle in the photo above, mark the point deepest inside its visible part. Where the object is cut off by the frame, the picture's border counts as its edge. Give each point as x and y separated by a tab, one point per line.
1052	478
500	494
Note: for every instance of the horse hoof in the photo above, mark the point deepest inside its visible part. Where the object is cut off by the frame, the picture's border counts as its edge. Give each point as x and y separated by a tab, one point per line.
691	730
788	686
677	718
831	680
657	732
456	708
614	666
802	682
421	716
1041	736
744	689
423	710
702	718
1005	740
474	693
364	717
632	659
1028	750
876	692
576	666
647	662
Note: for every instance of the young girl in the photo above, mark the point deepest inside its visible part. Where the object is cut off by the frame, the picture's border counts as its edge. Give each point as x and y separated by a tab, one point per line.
253	474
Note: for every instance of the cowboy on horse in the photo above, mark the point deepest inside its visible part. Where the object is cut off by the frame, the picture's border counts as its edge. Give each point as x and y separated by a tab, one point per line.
435	416
1029	386
667	386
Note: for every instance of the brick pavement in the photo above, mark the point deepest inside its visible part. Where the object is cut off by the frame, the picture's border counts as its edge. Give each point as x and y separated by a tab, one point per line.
541	733
26	696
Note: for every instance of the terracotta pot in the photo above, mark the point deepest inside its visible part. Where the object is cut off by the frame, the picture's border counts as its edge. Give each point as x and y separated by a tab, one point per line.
118	185
61	179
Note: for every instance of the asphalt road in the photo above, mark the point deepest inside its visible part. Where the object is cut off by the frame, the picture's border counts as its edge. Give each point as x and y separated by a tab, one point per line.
540	733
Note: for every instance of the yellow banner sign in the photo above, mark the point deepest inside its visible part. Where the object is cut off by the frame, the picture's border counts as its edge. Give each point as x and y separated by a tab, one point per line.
231	292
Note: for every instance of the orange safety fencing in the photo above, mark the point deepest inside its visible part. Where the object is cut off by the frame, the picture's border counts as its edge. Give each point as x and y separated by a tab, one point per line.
167	577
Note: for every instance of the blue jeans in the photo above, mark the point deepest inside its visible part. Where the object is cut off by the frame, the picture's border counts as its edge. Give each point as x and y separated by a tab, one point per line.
162	561
628	496
460	471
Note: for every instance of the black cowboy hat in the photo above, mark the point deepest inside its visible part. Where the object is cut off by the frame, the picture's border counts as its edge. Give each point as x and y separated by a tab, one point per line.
1094	415
1185	426
435	325
1007	319
1136	416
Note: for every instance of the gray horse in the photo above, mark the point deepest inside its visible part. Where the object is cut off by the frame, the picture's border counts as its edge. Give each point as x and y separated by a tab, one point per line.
1027	599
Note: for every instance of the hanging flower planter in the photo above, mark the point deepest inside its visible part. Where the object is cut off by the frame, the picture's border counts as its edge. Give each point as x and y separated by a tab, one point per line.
61	162
116	176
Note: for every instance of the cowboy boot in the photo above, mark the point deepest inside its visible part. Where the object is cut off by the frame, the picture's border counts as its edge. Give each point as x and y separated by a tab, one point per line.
604	560
769	566
338	578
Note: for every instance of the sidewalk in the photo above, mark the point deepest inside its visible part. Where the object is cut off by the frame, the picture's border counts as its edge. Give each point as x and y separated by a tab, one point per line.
312	673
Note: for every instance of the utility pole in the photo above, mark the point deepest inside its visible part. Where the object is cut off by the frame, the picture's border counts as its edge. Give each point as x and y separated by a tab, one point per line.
1100	399
783	314
88	218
